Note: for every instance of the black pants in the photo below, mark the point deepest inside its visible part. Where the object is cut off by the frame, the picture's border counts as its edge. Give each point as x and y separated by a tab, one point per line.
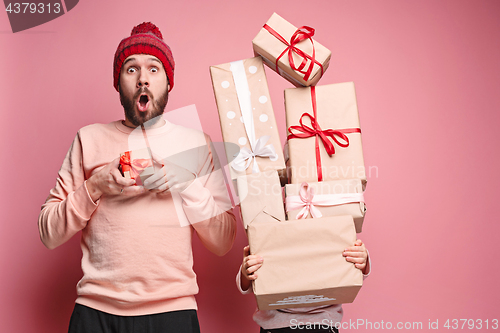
308	330
88	320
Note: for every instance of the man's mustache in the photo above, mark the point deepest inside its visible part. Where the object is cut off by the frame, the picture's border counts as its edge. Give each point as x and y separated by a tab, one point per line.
143	90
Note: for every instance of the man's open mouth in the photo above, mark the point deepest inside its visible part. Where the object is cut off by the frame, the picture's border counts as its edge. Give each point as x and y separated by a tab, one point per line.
143	102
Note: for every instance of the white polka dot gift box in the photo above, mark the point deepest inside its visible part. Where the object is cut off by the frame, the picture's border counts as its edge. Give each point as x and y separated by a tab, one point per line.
291	52
247	118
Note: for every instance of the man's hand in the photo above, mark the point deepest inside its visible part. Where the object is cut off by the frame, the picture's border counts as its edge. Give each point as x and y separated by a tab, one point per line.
250	265
110	181
171	177
358	255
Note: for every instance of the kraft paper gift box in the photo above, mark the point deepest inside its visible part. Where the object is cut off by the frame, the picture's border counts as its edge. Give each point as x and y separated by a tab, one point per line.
323	199
303	262
261	198
247	118
137	164
278	38
324	135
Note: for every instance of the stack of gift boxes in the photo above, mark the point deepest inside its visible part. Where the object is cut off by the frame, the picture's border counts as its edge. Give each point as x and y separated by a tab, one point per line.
301	236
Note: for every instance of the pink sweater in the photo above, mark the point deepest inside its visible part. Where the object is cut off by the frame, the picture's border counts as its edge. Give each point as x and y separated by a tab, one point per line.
137	255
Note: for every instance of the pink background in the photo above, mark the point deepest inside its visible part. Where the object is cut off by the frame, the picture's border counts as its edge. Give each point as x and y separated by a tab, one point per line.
427	75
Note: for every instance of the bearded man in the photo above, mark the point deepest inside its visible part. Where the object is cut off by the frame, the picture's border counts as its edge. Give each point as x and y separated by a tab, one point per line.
136	240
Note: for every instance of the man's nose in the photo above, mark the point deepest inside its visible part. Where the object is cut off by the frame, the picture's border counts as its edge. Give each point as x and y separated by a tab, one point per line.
143	79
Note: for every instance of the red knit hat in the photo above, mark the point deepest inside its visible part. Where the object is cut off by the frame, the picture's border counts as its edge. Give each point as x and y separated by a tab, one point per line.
145	38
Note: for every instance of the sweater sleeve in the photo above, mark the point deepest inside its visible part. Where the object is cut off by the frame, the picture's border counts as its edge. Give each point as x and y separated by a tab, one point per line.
69	205
207	205
369	264
238	284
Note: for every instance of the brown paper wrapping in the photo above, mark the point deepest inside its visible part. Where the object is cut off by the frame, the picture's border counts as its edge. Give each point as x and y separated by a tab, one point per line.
144	153
303	262
336	109
270	48
356	210
233	129
261	198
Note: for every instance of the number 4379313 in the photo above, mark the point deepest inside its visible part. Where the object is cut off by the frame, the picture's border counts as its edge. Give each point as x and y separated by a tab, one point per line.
33	8
471	324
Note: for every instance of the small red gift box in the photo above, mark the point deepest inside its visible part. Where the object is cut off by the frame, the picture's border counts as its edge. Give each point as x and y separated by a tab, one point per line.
137	164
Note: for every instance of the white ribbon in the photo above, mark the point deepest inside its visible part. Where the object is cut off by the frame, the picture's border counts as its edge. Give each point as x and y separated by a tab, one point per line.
307	201
246	156
258	147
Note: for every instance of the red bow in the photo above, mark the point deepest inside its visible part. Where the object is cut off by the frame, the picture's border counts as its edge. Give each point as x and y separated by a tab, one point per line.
135	167
301	34
315	130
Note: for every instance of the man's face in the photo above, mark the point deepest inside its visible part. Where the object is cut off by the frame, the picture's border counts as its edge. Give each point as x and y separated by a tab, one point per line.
143	88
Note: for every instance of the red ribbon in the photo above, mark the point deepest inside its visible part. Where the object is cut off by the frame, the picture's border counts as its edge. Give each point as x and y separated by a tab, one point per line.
136	166
307	132
301	34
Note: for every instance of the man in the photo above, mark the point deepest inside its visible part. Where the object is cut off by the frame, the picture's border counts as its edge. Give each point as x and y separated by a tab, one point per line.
136	240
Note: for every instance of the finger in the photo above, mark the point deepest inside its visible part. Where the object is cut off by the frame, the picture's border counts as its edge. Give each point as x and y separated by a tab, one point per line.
160	189
163	187
246	251
120	180
156	183
355	249
356	260
358	242
354	254
252	277
162	192
115	163
360	266
252	257
133	190
159	185
159	175
348	252
253	262
251	270
174	185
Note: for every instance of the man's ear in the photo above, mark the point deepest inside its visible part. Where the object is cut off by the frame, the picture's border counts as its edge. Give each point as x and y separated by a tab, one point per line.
168	87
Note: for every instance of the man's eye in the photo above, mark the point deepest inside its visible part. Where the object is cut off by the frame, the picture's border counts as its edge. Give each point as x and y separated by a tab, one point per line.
131	70
154	70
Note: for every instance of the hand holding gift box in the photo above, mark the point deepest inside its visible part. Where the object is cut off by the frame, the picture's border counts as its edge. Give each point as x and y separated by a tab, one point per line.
322	199
137	164
291	52
304	263
324	140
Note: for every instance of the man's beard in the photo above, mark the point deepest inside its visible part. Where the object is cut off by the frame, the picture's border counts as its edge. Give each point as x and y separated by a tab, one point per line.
136	117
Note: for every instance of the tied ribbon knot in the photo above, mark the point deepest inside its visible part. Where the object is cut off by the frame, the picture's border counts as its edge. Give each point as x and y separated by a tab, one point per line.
246	156
135	167
308	201
300	35
315	130
320	134
305	200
